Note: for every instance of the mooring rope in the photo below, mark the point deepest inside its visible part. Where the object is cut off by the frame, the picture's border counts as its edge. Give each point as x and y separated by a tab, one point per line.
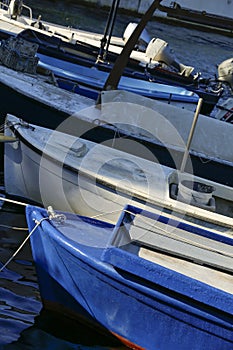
51	216
61	218
15	227
4	199
23	243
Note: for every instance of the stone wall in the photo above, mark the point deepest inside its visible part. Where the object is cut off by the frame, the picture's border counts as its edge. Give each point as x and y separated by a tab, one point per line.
139	6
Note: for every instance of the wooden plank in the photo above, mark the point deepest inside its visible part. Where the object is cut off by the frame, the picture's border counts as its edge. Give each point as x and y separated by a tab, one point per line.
213	278
161	228
192	247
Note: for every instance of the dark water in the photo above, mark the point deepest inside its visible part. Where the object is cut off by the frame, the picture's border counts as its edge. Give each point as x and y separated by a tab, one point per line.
23	323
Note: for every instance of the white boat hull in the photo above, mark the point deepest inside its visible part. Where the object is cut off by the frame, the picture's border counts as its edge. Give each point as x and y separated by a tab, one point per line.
94	180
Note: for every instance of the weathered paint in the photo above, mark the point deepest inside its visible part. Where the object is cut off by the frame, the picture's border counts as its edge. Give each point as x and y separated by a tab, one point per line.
129	5
222	8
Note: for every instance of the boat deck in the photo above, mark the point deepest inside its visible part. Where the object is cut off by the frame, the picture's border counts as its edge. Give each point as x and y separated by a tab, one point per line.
203	258
199	254
210	276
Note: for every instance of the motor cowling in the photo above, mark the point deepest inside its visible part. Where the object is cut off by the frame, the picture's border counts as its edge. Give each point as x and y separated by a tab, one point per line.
159	50
225	72
143	40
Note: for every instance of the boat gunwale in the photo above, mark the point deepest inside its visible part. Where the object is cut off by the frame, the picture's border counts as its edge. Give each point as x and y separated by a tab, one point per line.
194	297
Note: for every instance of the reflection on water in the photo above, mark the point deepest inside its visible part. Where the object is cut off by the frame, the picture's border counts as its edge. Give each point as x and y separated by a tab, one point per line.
51	331
24	324
18	304
19	295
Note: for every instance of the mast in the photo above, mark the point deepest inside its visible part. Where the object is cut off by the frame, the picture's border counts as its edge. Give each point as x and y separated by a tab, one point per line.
121	61
111	29
109	26
191	133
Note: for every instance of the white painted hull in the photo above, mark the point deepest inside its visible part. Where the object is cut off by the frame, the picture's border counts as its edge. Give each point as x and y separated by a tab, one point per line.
43	180
156	127
93	180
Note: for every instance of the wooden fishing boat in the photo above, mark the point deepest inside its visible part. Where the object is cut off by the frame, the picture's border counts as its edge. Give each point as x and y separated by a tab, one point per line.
13	22
210	15
69	69
38	100
114	78
151	281
72	174
88	80
151	65
94	79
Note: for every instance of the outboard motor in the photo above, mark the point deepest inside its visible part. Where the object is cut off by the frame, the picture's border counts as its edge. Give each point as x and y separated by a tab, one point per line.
143	40
225	72
15	8
159	50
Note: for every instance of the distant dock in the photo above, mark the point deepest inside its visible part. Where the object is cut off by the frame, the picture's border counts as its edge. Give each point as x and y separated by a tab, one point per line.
211	15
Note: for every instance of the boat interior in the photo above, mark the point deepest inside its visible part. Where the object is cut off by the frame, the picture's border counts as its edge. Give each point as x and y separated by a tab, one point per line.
196	253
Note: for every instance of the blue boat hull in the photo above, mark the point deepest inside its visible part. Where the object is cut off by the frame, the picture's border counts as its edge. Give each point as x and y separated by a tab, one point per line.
166	328
142	314
94	79
86	56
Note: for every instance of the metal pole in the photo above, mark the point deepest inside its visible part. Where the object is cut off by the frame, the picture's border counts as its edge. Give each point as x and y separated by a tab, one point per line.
111	29
121	61
106	30
195	118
